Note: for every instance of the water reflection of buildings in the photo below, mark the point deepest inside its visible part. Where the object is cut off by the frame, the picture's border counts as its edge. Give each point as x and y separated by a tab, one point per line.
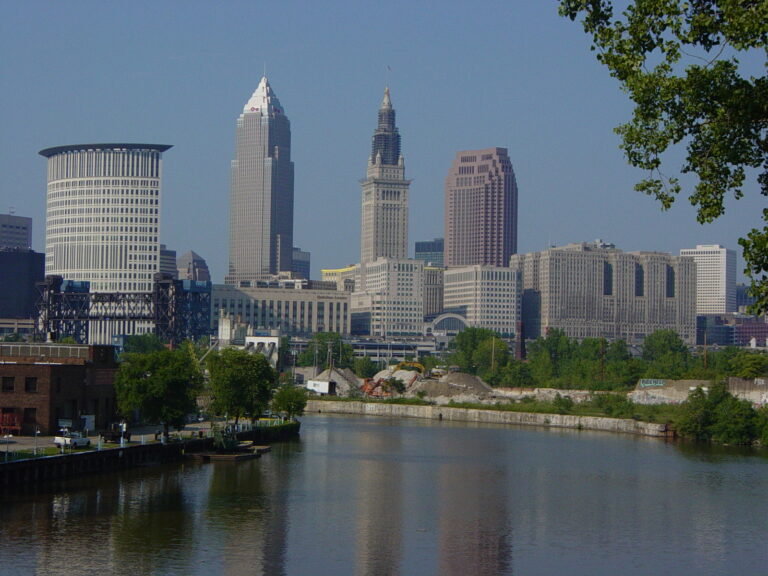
379	510
247	515
474	528
103	521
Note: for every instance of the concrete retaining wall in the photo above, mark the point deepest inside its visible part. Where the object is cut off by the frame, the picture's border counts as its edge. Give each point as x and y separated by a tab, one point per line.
488	416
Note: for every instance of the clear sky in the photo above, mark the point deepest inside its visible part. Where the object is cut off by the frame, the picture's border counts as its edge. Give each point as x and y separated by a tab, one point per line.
463	76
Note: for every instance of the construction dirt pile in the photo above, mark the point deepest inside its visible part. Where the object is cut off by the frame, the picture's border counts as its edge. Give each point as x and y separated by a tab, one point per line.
456	386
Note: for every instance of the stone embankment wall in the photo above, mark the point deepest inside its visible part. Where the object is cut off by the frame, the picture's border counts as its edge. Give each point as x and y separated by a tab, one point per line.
488	416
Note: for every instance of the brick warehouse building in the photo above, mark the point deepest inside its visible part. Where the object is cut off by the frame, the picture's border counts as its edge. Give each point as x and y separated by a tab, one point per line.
43	384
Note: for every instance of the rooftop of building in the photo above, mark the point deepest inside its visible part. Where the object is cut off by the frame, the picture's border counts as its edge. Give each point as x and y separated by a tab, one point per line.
53	151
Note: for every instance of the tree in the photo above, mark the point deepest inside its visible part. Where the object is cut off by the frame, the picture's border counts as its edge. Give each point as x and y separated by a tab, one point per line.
466	344
317	351
290	400
142	343
717	415
241	383
548	356
666	355
163	385
516	374
364	367
678	61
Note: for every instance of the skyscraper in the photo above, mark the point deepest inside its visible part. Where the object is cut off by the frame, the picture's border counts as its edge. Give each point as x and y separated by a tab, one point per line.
102	219
261	193
384	228
480	209
102	222
15	231
715	278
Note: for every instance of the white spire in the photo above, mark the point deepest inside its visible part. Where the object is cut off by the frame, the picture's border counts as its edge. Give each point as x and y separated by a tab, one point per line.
386	102
263	100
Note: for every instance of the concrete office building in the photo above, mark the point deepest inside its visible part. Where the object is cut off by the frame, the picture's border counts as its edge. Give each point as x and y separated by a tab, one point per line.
487	296
261	192
301	264
715	278
433	291
292	311
20	270
192	266
431	252
168	262
343	278
388	299
593	290
480	209
15	231
384	229
103	221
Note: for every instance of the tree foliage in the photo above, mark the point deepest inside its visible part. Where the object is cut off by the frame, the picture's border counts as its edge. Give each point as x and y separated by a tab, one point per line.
678	62
142	343
290	400
241	383
317	351
163	385
718	416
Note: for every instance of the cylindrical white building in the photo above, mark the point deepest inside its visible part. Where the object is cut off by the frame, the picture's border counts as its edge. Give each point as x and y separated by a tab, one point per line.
102	222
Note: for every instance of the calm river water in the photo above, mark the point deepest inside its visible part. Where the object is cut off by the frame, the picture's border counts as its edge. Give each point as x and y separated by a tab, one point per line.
370	496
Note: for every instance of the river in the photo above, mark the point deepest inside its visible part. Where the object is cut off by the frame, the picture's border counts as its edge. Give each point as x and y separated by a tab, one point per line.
372	496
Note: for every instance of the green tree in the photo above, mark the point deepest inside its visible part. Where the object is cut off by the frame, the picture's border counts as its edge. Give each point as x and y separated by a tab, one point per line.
548	356
142	343
466	344
241	383
735	421
490	356
163	385
666	355
678	62
696	418
750	365
364	367
318	347
516	374
717	415
290	400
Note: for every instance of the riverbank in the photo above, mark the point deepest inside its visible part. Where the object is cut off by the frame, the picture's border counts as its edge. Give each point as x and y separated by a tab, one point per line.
34	470
624	426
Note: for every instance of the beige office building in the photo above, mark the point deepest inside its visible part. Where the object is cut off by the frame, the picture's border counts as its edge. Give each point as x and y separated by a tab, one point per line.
593	290
487	296
715	278
293	311
388	299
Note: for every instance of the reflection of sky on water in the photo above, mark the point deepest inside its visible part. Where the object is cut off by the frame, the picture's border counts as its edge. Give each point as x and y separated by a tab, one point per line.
374	497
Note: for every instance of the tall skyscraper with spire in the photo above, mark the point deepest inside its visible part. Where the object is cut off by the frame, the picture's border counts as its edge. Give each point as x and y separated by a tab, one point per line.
384	229
261	191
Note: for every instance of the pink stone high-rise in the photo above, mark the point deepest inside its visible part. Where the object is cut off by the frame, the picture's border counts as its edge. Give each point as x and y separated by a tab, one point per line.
480	209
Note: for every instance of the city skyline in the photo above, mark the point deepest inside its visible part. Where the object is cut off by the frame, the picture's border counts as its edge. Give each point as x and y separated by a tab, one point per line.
462	81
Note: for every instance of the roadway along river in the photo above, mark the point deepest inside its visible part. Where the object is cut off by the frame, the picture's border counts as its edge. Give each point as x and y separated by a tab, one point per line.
371	496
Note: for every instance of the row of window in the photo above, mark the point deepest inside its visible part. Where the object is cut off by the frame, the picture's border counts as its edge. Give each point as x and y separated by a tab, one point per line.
9	384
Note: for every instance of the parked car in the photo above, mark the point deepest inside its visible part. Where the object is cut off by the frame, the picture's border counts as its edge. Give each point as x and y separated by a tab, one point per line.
71	439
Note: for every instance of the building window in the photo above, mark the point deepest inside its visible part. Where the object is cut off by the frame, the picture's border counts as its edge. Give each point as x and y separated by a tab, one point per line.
30	384
607	279
670	282
7	384
639	280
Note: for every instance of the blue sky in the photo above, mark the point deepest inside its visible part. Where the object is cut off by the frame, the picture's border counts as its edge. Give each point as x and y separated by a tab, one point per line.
508	74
